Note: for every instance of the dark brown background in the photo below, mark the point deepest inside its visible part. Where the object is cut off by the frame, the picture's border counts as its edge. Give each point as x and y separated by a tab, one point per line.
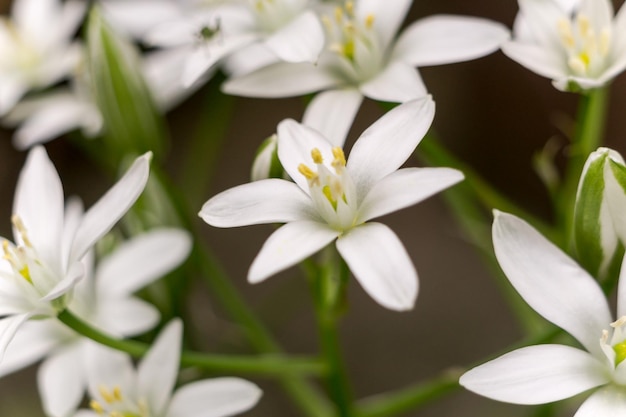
492	113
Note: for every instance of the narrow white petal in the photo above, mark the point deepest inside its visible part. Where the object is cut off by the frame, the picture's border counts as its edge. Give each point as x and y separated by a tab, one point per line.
8	327
62	381
39	204
388	16
99	219
11	90
161	364
397	83
35	340
621	291
542	19
300	41
381	264
599	12
32	17
537	375
126	316
138	16
75	273
389	142
404	188
281	80
141	260
550	281
216	397
265	201
445	39
536	58
332	112
295	143
289	245
606	402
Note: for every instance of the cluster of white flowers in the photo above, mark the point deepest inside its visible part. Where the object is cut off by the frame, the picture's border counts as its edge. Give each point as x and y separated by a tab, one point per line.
343	51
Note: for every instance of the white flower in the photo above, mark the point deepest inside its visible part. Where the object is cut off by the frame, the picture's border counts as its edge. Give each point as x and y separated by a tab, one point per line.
565	294
36	46
104	300
39	270
576	44
287	28
117	389
363	58
334	199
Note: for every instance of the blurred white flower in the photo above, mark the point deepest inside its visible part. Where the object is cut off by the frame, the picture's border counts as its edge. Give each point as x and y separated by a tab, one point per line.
363	58
36	45
334	199
117	389
578	44
39	270
104	300
565	294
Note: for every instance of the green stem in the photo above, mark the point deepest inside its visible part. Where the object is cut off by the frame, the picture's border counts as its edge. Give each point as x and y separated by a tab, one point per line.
263	365
329	283
589	131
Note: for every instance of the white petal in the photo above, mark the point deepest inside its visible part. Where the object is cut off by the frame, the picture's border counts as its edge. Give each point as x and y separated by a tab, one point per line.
109	368
35	340
389	142
536	375
550	281
397	83
74	275
445	39
138	16
300	41
11	90
161	364
33	17
8	327
606	402
266	201
281	80
380	263
99	219
404	188
216	397
39	204
332	112
289	245
599	12
543	61
388	16
621	291
295	143
542	18
62	381
125	316
141	260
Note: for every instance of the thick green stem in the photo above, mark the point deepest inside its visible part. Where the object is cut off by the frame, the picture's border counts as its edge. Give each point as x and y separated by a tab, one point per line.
588	136
261	365
329	282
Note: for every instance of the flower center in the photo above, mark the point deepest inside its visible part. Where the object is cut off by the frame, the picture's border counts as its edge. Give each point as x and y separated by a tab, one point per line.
332	193
19	257
354	42
586	48
114	404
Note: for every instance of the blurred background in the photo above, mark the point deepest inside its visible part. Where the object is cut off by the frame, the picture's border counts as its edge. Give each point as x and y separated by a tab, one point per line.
491	113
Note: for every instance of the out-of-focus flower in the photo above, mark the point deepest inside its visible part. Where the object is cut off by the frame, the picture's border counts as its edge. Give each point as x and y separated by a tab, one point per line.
39	270
104	300
363	58
334	199
117	389
36	45
565	294
578	44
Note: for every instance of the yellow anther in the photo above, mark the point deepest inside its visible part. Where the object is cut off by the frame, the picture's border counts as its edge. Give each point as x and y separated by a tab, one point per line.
117	394
584	24
605	41
19	225
619	322
340	157
317	156
116	414
338	14
259	5
97	407
307	172
106	395
565	30
369	21
349	7
327	23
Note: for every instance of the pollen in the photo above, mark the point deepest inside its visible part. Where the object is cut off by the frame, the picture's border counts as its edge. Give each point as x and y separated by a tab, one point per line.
106	395
97	407
316	155
19	226
369	21
308	173
340	158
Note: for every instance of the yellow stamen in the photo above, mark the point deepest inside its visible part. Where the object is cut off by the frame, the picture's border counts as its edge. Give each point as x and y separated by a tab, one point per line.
350	7
317	156
307	172
338	14
584	25
19	225
96	406
117	394
369	21
340	157
106	395
565	30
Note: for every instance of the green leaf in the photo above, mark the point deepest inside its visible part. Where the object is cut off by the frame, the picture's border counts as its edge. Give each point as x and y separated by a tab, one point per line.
132	123
595	240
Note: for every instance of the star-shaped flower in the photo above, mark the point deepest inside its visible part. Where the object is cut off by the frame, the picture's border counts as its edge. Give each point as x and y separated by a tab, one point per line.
565	294
39	270
335	199
578	44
